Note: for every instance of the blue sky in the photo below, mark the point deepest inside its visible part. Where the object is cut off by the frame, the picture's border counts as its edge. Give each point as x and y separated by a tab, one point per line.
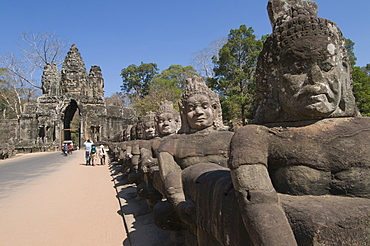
116	33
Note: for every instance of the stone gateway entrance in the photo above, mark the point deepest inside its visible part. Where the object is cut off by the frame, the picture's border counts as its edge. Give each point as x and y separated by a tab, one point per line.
72	107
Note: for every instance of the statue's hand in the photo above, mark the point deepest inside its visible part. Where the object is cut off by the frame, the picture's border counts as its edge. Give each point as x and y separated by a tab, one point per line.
186	210
147	163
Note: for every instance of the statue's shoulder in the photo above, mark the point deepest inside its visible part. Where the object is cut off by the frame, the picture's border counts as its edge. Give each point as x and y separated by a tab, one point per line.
252	130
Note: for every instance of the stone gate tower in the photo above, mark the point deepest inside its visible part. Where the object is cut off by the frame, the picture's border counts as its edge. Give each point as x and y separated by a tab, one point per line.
70	93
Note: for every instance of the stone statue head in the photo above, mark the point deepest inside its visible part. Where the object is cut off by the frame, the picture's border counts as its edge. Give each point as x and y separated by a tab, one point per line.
144	128
51	80
200	107
150	125
168	119
303	71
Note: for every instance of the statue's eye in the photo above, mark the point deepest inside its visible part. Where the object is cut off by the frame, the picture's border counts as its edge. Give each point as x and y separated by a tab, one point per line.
326	66
205	105
298	68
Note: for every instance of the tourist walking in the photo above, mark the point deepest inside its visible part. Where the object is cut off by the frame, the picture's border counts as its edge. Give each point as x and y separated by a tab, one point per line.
102	154
93	154
88	144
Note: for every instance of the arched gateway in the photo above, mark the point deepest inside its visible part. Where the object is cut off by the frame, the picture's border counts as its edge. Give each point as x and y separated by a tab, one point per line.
72	107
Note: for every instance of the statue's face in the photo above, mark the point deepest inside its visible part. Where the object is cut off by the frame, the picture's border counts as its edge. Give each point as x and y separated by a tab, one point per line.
310	81
139	132
199	112
167	124
150	129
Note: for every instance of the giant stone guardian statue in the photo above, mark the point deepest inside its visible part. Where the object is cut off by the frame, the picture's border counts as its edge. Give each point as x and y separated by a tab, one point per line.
203	144
302	173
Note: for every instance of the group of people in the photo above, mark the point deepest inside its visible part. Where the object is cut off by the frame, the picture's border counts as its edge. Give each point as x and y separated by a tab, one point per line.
92	153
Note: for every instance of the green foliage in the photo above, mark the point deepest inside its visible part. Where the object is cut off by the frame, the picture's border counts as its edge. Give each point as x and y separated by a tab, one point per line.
361	81
350	49
174	76
361	89
137	79
167	85
235	73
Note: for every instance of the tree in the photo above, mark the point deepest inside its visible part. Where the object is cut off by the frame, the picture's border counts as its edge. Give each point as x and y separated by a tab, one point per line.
137	79
37	50
18	84
361	89
117	99
361	81
202	59
350	50
13	94
234	70
167	85
43	48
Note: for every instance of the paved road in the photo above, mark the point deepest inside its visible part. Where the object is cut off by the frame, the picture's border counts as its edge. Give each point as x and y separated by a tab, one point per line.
48	199
23	169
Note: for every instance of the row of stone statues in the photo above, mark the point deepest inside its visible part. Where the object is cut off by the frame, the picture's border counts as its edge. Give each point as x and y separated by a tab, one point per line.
300	175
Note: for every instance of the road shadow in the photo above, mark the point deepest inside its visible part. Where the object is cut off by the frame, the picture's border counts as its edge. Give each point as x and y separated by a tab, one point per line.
136	214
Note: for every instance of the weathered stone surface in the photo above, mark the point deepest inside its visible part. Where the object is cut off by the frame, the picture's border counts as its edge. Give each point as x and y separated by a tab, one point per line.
313	144
10	133
218	220
204	143
68	93
286	9
311	157
328	220
303	46
51	80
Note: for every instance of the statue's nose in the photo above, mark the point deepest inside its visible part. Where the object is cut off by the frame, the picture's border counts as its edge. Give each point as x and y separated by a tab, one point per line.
199	110
315	74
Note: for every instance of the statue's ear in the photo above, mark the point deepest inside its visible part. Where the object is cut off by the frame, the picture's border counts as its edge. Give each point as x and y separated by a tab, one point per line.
285	9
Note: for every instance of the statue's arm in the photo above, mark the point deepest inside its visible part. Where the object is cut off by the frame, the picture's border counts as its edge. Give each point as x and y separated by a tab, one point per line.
171	176
261	211
129	150
147	159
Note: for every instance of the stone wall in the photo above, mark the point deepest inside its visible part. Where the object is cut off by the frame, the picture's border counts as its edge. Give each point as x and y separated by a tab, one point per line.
9	135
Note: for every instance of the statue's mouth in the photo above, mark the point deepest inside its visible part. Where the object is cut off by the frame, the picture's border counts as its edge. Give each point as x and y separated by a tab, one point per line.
316	93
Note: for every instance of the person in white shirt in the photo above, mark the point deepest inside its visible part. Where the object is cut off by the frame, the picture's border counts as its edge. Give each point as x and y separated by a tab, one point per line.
88	145
102	154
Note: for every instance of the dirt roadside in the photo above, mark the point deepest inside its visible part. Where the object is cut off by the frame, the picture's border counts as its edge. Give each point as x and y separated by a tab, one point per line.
75	205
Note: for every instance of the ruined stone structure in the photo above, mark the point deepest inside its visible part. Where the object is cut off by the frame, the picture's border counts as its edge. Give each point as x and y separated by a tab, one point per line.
70	93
